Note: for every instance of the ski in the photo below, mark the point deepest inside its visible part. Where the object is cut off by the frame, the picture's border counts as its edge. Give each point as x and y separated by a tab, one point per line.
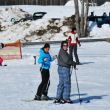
83	101
52	103
32	100
3	65
28	100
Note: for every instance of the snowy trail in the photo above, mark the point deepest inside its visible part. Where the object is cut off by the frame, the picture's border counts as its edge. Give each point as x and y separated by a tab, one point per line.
20	79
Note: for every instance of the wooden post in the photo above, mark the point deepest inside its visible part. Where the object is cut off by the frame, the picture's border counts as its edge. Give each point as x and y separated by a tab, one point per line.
34	60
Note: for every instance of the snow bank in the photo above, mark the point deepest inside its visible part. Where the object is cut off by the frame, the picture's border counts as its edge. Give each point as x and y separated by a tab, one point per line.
71	3
106	4
99	10
103	32
27	30
6	15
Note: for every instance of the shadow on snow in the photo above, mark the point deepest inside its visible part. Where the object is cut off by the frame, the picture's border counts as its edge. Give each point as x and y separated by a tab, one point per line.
87	98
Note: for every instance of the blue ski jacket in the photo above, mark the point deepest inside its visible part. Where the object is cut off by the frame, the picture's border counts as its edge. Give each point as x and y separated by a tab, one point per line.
42	56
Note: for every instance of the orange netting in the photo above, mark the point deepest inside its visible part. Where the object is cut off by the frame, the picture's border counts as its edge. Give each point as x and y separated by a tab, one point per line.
11	51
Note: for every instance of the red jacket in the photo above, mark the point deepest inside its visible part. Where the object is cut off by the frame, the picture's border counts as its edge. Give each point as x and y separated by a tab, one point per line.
1	60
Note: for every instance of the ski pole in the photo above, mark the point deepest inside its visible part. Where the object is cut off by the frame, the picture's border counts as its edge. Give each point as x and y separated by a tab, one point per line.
78	87
71	70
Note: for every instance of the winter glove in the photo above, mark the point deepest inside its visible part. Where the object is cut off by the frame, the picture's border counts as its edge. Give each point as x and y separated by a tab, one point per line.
45	59
79	45
40	69
74	64
55	57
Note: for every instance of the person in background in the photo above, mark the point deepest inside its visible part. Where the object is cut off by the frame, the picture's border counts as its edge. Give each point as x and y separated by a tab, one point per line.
45	60
1	45
104	14
72	42
1	61
64	65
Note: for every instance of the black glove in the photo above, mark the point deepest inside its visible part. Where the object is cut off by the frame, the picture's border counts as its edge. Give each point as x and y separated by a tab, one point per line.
74	64
79	45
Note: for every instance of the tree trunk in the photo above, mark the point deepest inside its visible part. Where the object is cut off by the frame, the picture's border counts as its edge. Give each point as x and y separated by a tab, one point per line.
82	20
77	17
85	20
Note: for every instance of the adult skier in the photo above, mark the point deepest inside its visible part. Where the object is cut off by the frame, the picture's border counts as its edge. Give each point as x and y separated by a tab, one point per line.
64	65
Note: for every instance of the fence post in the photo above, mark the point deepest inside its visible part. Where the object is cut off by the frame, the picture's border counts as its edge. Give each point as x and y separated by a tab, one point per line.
34	60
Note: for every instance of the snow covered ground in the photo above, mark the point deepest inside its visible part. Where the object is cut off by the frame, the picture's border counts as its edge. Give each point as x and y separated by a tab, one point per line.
11	32
20	79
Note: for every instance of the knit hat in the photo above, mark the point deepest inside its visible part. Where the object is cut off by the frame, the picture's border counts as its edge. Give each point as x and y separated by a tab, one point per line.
73	29
46	45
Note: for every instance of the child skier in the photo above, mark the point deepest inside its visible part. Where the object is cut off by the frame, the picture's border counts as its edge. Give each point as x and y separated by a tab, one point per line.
45	60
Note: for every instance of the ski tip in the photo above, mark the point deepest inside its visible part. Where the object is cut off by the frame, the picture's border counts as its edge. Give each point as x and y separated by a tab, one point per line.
85	101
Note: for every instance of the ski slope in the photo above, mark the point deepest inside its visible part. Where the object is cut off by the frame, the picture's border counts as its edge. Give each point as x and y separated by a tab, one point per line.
20	79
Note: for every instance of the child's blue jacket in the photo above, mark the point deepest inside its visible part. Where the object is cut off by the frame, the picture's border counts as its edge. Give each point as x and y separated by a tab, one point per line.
42	56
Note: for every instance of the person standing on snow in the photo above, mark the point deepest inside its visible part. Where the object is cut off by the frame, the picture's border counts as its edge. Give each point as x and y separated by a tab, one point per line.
72	42
45	60
1	45
64	65
1	59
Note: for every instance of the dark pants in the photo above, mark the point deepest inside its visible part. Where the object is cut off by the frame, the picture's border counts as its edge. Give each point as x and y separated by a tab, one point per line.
44	85
74	49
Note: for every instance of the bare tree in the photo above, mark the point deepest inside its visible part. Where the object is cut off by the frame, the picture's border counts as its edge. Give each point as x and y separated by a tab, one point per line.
86	15
77	17
82	19
81	26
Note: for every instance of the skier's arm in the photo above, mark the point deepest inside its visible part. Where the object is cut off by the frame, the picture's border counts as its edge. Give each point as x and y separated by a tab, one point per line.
77	40
52	58
69	40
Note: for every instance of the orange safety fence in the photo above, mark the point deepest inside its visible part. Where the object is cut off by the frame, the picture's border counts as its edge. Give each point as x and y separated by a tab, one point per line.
11	51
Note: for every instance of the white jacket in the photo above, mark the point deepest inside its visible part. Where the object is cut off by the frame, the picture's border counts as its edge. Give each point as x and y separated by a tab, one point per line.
73	37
